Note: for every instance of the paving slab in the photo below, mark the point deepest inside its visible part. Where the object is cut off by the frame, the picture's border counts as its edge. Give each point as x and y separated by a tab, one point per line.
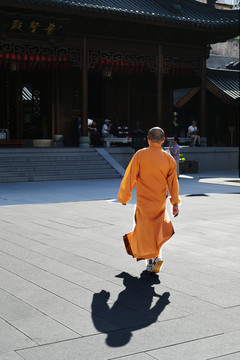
12	308
202	349
234	356
139	356
121	343
12	339
10	356
42	329
225	320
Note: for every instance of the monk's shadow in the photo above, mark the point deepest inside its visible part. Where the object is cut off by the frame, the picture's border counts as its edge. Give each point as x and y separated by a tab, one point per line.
136	307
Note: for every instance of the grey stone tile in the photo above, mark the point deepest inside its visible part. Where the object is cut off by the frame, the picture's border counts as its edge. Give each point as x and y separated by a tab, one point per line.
33	295
12	308
202	349
49	303
80	321
194	262
189	273
229	287
43	329
10	356
121	343
64	289
39	259
93	267
206	293
208	255
187	303
66	225
11	338
224	320
235	356
140	356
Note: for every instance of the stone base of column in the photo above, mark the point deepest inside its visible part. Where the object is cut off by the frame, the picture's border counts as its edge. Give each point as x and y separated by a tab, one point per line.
203	141
84	142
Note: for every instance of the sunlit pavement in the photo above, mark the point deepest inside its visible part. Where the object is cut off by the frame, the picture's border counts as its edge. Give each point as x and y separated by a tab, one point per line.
69	291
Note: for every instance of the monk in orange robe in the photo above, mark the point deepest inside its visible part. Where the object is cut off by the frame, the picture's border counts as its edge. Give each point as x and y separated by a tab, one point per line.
153	171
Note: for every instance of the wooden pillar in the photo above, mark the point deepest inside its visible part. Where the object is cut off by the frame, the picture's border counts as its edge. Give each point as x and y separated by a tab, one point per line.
203	120
84	139
160	87
84	88
54	96
129	102
168	110
18	106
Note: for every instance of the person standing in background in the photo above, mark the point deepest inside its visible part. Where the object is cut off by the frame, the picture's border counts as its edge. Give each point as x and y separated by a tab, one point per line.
175	151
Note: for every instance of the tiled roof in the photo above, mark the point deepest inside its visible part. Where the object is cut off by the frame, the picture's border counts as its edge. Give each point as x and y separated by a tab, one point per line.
225	80
174	11
224	84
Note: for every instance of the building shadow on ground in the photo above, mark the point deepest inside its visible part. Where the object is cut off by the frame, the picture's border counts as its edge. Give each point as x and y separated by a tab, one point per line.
136	307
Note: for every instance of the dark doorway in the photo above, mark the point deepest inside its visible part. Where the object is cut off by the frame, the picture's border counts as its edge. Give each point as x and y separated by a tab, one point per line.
35	106
25	105
125	99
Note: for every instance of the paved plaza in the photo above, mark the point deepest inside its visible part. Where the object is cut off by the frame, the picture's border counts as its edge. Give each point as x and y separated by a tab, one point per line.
69	291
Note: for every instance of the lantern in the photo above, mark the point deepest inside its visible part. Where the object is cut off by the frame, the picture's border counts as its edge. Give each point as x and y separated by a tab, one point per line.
107	71
13	66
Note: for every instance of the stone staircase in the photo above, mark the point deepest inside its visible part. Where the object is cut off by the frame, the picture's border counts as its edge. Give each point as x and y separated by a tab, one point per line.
46	164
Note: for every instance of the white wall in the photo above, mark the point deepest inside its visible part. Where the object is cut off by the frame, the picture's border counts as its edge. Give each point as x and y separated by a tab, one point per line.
212	158
229	48
209	158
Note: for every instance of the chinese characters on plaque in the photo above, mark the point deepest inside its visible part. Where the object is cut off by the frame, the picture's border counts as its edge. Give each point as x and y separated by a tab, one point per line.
31	26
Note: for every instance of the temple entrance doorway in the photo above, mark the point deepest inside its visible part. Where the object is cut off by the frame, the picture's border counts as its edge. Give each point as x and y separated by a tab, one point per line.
35	106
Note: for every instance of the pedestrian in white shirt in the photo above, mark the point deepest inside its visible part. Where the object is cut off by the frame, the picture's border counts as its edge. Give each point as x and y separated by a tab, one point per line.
193	133
106	128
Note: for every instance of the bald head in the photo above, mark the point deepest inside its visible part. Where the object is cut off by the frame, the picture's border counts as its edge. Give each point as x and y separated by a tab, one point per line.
156	135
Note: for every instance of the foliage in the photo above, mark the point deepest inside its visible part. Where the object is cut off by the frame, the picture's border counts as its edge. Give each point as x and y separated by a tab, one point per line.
175	116
181	158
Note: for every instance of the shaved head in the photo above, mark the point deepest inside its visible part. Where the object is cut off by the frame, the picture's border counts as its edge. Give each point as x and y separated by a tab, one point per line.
156	134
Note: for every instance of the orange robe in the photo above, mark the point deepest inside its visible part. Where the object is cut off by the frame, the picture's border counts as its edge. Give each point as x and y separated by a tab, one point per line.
153	171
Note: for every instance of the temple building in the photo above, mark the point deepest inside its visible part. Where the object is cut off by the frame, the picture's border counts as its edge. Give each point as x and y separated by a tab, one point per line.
126	61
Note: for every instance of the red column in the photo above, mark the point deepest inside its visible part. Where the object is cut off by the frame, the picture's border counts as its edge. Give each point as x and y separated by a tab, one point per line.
203	120
160	87
84	88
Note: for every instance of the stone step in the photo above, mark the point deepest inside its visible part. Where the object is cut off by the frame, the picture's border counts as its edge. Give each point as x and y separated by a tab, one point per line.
55	178
53	164
31	150
22	172
26	157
